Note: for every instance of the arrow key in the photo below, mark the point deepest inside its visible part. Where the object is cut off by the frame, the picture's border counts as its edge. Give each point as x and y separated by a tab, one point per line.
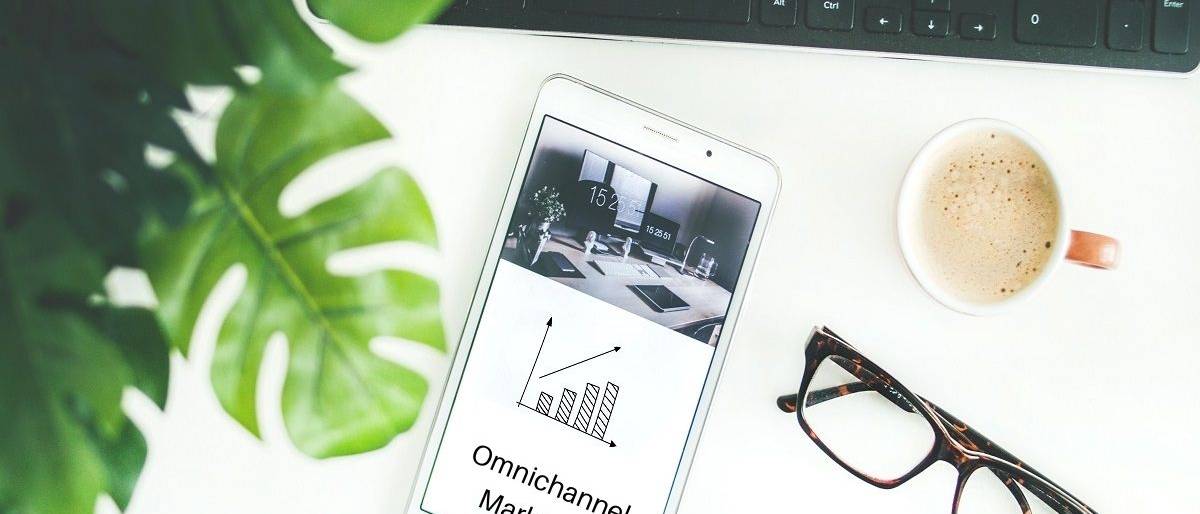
931	23
932	5
977	26
884	20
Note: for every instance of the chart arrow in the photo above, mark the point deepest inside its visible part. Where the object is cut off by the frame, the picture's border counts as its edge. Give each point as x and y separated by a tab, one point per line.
614	350
549	323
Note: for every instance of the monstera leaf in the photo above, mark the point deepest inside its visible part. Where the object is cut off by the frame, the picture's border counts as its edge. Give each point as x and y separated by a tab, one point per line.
201	42
338	397
65	359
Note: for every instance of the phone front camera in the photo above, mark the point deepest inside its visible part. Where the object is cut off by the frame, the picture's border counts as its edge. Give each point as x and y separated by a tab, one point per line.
708	153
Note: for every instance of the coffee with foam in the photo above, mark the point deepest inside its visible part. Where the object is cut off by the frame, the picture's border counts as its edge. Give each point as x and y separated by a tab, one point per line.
988	217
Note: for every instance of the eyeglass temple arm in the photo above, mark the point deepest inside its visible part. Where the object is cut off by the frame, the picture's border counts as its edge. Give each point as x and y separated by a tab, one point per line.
868	383
788	403
829	393
974	440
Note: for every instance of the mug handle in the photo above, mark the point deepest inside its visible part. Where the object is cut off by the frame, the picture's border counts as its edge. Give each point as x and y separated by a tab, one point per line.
1093	250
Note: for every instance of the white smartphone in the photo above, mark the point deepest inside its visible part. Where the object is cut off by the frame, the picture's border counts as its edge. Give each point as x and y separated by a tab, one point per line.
604	312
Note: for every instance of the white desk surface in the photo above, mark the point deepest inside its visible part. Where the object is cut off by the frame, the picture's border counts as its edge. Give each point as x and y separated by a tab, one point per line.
1094	382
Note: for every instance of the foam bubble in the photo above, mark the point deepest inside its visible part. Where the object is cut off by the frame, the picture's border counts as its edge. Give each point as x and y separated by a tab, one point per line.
990	217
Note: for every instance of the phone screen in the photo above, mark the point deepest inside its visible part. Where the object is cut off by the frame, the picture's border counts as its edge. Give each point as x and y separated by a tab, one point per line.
578	393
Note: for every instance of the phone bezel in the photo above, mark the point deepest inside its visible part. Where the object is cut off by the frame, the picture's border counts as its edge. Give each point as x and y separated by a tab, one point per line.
700	153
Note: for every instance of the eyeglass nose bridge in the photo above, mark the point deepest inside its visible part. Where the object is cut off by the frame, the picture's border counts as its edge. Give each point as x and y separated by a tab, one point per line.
976	464
958	450
956	455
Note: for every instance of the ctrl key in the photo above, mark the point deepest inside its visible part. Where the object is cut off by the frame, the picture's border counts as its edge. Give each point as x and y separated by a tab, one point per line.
1171	19
830	14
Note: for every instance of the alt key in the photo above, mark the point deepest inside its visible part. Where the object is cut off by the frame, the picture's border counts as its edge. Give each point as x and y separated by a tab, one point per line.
779	13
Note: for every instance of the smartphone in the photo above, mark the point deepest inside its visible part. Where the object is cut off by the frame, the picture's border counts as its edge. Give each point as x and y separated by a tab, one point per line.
568	393
660	298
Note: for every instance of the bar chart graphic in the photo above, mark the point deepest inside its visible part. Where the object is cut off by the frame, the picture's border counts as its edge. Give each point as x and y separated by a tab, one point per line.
592	415
588	413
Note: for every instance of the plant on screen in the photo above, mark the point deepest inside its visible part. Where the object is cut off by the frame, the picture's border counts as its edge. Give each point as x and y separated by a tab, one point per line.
88	88
546	206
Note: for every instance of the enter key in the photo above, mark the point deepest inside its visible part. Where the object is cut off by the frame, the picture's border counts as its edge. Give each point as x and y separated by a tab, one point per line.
1171	22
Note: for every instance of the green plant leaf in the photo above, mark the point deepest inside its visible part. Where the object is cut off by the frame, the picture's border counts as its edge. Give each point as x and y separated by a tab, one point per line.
201	42
377	20
338	397
64	362
74	125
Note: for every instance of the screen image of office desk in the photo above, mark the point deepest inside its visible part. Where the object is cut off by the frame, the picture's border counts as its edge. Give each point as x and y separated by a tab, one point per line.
707	300
584	198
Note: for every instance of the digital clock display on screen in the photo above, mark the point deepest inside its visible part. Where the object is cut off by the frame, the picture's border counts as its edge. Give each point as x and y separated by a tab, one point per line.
659	233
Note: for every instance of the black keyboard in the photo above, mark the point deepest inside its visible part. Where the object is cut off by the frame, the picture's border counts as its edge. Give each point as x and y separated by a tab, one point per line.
1158	35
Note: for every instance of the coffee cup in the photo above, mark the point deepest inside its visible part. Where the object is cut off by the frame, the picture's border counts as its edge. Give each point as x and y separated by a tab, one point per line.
982	219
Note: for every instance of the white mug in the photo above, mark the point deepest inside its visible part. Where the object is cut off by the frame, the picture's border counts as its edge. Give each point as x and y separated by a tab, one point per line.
1085	248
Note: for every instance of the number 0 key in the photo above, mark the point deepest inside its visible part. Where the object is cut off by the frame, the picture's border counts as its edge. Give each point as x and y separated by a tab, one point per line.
1058	22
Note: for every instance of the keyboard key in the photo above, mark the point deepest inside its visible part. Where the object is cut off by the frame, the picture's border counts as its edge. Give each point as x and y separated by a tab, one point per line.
884	20
830	14
643	9
725	11
1171	26
1058	22
977	26
931	23
604	7
779	13
1125	25
931	5
549	5
497	4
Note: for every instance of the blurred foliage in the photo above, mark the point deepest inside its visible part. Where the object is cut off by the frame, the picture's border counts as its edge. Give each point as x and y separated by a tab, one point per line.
65	358
85	88
338	397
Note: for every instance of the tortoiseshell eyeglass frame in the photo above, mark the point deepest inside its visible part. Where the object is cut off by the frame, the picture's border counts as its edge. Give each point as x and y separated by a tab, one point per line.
954	442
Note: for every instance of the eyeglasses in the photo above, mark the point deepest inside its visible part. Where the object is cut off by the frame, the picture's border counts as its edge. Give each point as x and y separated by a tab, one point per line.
881	432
